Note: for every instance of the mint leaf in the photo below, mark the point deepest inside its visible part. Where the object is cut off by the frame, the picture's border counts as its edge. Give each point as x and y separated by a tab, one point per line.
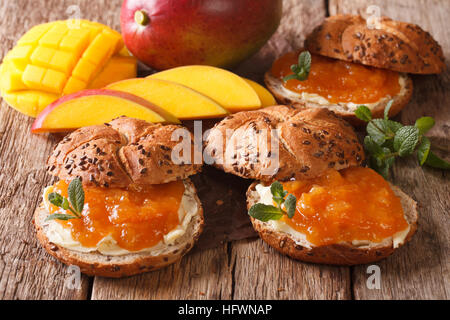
65	204
265	212
290	204
56	199
394	126
60	216
436	162
423	150
376	128
387	108
363	113
276	189
424	124
290	77
76	195
304	61
278	192
372	147
405	140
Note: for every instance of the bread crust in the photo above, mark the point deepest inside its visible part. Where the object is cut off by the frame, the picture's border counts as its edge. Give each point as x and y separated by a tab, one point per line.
395	45
344	110
311	140
120	153
97	264
345	254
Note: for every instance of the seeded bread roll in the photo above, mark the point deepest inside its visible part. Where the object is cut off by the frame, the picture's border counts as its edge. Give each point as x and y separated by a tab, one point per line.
310	141
398	46
123	152
336	254
97	264
343	109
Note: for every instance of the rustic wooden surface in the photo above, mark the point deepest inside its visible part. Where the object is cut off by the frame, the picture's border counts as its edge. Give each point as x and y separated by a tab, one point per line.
246	269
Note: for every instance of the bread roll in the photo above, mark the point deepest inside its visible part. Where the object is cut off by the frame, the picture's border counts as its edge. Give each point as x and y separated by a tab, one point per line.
311	140
395	45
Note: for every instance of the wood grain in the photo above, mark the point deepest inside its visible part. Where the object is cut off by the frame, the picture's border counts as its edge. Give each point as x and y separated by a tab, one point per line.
245	269
200	275
421	269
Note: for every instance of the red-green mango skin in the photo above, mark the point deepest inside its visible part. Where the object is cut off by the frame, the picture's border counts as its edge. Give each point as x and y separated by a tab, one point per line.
220	33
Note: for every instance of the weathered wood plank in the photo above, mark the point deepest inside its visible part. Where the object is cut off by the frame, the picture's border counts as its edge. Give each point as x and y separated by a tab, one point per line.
259	272
421	269
26	270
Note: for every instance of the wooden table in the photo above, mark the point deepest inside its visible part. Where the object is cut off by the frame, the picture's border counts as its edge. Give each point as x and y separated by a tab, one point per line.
246	269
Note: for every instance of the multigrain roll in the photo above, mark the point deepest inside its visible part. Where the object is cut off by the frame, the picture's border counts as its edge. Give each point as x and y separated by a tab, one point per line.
389	44
116	154
355	62
141	212
343	214
310	141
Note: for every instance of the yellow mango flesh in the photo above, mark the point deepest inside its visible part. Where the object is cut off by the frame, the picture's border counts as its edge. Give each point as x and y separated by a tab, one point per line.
60	58
264	95
95	109
226	88
181	101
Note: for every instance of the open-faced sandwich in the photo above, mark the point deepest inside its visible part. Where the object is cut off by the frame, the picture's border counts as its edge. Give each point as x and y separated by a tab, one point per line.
313	199
122	206
353	63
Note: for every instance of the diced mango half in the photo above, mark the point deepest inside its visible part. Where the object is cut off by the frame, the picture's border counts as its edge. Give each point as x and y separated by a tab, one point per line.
59	58
30	102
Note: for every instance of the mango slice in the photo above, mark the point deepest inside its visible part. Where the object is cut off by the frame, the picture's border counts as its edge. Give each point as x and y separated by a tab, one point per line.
97	106
264	95
118	68
226	88
59	58
181	101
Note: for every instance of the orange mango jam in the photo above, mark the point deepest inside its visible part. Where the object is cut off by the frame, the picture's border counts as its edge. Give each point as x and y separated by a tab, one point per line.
340	206
339	81
135	219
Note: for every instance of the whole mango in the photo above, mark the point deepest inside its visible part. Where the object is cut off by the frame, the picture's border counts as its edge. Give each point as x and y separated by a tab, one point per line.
166	33
59	58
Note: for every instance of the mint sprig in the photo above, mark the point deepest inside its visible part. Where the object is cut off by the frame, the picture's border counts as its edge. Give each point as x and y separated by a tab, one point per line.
281	197
300	70
387	139
74	204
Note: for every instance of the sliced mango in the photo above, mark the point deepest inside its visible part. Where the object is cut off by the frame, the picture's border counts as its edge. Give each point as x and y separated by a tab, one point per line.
264	95
91	107
118	68
55	59
226	88
181	101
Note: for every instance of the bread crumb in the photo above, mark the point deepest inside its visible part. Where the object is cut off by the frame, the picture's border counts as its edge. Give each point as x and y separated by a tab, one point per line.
219	202
202	293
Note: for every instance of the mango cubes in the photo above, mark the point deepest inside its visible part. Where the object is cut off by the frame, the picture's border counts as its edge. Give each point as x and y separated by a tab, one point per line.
60	58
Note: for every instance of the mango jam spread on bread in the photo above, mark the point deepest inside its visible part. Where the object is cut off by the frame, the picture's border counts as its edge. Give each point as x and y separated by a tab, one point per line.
354	62
343	206
139	211
319	204
335	81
